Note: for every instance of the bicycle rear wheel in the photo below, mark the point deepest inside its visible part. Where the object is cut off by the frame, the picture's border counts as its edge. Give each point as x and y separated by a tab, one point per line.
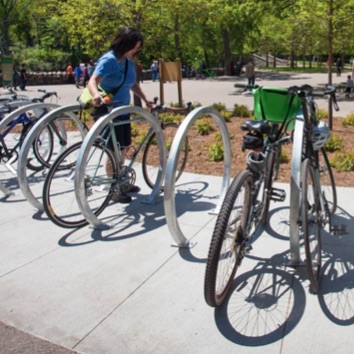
328	185
311	224
59	199
151	154
42	150
228	241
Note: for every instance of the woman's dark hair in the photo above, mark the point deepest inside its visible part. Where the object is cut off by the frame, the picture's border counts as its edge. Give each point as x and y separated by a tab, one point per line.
126	40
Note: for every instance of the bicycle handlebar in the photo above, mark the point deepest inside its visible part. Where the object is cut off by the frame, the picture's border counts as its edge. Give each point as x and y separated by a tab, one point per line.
45	96
308	90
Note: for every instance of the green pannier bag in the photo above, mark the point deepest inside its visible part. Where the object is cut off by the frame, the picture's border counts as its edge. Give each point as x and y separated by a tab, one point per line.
276	105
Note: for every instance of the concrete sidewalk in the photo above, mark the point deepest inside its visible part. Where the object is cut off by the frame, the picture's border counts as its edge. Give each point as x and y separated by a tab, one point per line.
128	290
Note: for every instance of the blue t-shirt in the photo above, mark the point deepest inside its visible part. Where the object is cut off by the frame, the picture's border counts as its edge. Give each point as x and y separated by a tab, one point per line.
112	73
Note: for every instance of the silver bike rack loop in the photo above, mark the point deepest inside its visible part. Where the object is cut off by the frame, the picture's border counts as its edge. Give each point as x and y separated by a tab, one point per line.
84	152
30	138
295	189
169	188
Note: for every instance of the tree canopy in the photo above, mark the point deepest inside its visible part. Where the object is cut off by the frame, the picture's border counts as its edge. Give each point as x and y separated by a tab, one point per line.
215	31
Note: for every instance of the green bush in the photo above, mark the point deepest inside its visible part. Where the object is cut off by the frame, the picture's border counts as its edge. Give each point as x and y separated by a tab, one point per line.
343	162
203	126
321	113
334	143
348	120
226	115
219	106
284	158
241	111
216	152
167	117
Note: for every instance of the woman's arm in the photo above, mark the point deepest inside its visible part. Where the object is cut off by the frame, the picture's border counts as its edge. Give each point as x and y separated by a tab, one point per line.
93	88
139	92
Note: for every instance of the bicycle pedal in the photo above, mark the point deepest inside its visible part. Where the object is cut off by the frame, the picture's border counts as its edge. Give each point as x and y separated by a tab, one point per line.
277	194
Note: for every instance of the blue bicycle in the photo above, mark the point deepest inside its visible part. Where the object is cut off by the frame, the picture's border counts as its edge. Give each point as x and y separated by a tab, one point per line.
13	135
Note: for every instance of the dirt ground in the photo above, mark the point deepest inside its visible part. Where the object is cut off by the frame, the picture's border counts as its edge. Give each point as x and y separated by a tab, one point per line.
198	161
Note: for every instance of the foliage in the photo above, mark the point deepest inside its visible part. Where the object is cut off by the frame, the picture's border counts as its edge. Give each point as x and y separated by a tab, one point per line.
204	126
348	120
216	152
221	31
227	115
334	143
343	162
241	111
321	113
284	158
219	106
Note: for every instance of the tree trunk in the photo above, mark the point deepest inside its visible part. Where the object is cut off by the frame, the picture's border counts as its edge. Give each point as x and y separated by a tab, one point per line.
227	52
330	58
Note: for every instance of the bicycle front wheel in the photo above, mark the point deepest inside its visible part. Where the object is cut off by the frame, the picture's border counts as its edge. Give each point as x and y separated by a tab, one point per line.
151	154
227	245
59	199
328	185
311	224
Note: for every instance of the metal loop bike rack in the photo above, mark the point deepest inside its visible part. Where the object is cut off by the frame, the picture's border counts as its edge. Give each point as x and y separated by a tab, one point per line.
295	189
169	188
84	152
30	138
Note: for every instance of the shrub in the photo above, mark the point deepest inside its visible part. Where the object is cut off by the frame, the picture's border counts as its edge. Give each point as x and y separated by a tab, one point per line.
216	152
321	113
167	117
203	126
219	106
334	143
343	162
241	111
348	120
284	158
226	115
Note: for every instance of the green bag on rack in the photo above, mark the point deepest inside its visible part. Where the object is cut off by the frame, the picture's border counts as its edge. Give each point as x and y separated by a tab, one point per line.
276	105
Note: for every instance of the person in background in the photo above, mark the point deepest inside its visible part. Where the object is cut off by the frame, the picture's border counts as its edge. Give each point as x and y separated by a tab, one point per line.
339	67
14	79
77	75
70	74
154	70
23	77
116	69
348	86
250	72
85	74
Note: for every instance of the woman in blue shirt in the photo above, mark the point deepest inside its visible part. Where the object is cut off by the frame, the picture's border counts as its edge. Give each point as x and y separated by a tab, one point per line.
117	69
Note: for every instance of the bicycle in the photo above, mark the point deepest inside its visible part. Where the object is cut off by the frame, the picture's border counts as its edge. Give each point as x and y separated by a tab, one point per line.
59	198
14	131
313	213
246	203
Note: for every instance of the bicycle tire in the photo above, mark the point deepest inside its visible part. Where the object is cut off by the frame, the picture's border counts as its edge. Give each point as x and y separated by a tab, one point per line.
150	162
328	185
224	257
59	199
42	150
311	224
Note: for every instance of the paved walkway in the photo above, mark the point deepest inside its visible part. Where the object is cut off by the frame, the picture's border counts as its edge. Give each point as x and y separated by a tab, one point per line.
128	290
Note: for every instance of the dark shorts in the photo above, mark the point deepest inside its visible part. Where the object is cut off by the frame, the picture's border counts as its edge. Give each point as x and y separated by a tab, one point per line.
123	133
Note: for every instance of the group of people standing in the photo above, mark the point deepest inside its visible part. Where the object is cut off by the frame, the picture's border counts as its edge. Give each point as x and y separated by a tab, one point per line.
80	75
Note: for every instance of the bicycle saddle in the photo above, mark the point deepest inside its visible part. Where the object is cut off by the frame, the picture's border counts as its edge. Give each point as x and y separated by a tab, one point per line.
256	126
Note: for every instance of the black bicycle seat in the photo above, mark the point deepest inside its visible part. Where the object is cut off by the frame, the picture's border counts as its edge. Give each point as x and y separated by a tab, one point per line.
257	126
